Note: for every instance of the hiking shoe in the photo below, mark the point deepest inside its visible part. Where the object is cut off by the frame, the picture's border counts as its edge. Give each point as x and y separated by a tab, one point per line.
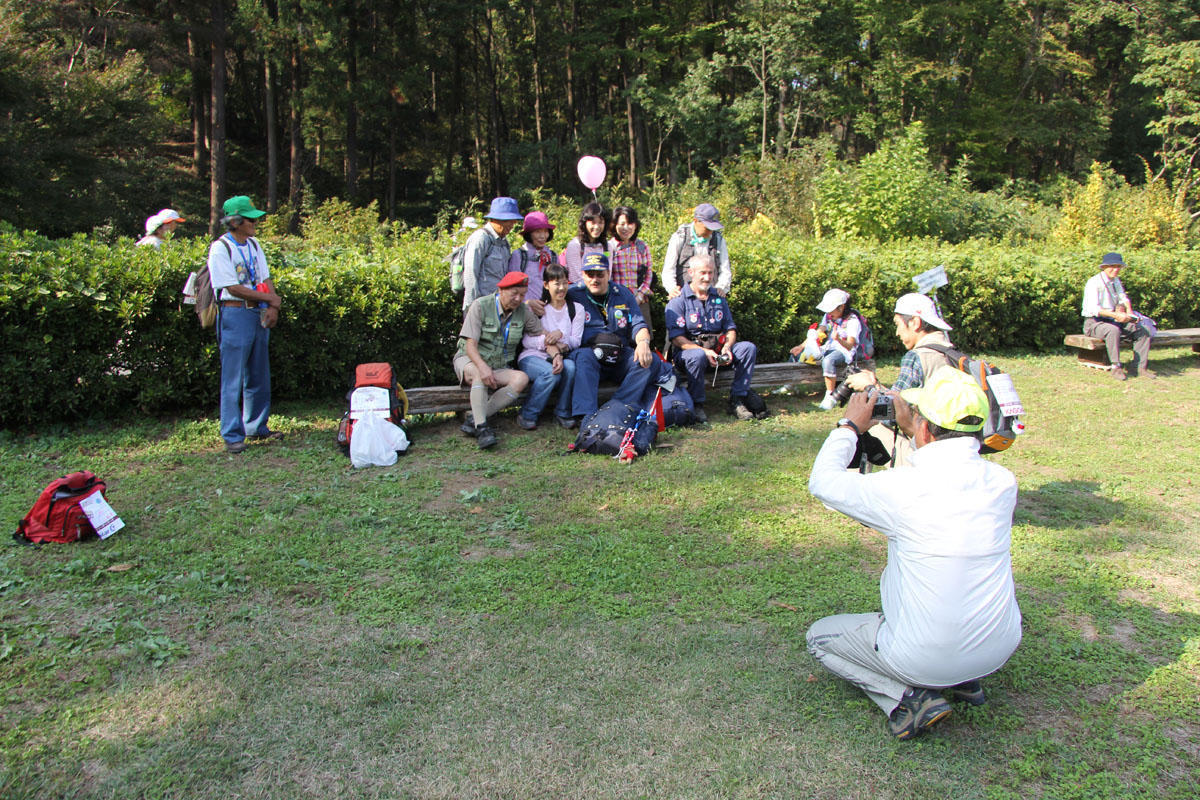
567	422
827	403
485	436
270	435
235	447
919	710
526	424
701	417
1118	372
468	426
739	410
970	692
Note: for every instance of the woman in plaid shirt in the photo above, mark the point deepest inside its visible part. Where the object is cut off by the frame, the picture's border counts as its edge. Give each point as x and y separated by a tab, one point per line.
630	260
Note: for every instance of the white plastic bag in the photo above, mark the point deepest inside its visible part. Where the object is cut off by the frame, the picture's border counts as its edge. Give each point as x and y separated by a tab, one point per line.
369	443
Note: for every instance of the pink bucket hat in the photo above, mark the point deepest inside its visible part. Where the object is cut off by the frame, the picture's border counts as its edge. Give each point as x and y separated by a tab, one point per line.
536	221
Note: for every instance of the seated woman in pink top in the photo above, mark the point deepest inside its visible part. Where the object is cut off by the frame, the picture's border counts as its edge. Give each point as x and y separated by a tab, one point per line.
544	356
594	223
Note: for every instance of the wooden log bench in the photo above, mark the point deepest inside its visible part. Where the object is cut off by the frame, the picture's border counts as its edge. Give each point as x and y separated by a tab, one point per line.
435	399
1092	353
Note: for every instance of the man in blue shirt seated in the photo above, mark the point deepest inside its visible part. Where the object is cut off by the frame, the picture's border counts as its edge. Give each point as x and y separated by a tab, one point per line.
616	341
702	333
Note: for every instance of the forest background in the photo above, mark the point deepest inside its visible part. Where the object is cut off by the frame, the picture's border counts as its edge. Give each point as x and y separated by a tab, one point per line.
848	143
110	110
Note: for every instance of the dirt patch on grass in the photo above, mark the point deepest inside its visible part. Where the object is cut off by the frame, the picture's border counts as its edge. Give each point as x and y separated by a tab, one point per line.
480	553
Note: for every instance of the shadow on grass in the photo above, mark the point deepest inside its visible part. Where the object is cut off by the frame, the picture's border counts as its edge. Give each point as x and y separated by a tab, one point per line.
1066	504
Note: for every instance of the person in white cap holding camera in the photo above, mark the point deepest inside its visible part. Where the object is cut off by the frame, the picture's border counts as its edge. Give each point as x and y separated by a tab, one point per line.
159	228
918	324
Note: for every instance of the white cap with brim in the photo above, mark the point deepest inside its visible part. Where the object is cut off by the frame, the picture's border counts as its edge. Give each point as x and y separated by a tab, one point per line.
918	305
832	299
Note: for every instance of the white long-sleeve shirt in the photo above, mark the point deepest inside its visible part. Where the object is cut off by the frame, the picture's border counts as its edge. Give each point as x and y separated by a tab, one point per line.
950	612
1101	293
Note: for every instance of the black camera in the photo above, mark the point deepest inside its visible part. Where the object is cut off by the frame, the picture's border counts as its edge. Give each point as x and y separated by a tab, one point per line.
883	408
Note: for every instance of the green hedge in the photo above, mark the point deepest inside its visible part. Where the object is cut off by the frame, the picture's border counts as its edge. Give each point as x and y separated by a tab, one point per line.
92	329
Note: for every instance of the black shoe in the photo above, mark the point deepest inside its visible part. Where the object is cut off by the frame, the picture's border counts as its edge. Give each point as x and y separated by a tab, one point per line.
235	447
919	710
567	422
270	435
468	426
970	692
485	436
701	417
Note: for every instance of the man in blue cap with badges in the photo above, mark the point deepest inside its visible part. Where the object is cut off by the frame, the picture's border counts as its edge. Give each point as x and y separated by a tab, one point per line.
485	259
247	308
702	334
616	341
950	612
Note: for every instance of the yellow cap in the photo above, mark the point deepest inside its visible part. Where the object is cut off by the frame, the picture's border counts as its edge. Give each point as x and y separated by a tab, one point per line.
948	399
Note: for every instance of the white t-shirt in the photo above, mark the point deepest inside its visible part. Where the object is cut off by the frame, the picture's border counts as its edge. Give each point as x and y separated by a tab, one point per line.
245	264
1100	293
949	607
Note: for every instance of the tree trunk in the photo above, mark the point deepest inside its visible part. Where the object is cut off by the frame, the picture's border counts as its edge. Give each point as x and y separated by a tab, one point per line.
200	119
272	136
537	94
296	173
217	176
352	106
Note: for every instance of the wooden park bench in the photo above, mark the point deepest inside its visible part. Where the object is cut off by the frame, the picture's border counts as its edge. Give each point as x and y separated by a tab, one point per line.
434	399
1092	353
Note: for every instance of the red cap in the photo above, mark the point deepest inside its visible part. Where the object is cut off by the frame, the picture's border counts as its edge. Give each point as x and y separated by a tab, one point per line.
513	278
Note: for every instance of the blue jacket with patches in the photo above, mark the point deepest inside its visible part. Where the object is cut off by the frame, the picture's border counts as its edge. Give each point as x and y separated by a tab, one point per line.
688	315
619	315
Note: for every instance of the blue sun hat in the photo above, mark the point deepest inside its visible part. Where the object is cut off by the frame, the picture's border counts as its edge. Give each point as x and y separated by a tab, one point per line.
504	209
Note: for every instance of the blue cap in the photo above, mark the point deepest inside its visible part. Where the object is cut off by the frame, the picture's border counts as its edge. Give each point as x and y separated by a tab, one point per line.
1112	260
593	262
504	208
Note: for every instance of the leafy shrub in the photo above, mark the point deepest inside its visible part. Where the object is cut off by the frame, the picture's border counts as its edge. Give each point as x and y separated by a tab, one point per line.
95	330
1108	212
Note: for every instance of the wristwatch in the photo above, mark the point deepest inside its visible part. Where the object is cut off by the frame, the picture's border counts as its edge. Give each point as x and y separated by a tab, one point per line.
846	423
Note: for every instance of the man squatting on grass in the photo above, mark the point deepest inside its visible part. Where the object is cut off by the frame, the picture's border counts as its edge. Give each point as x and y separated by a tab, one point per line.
950	614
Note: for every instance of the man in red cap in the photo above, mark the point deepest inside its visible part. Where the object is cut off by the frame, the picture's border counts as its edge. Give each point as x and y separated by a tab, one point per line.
487	347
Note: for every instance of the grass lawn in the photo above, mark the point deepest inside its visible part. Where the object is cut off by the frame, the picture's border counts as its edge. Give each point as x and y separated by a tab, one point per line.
524	623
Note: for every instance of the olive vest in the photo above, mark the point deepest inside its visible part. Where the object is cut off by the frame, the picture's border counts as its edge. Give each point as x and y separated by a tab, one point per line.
491	345
687	250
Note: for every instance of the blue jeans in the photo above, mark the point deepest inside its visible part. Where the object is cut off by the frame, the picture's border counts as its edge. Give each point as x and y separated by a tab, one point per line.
542	381
245	374
632	376
831	360
694	362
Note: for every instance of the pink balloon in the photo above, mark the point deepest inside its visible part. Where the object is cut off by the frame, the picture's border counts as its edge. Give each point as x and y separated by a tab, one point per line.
591	171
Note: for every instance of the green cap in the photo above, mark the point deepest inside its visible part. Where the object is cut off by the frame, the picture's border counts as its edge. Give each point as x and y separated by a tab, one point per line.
948	399
241	206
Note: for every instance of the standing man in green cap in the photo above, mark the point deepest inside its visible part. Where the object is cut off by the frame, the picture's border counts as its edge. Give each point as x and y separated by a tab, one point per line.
950	613
248	307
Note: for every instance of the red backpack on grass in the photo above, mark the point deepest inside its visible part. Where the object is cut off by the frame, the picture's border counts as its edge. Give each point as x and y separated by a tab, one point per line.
378	375
56	516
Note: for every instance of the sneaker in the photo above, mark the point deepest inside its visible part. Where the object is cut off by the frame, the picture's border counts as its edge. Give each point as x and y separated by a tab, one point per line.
235	447
270	435
919	710
701	417
468	426
827	403
526	424
738	409
970	692
486	437
1118	372
783	390
567	422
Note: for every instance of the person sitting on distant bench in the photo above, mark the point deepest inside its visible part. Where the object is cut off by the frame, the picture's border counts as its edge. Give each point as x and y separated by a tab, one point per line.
1108	315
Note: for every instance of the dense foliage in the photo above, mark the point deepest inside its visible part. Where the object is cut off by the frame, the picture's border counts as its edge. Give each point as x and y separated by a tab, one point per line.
110	111
96	329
